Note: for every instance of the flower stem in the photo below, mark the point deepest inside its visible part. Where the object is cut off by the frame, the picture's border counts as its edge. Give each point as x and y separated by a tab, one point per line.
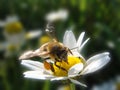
72	86
46	85
4	77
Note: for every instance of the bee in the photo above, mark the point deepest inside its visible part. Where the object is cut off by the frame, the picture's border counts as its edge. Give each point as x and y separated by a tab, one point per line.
53	50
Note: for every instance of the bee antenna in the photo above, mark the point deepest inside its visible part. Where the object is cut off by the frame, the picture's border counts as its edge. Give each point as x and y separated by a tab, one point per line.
73	48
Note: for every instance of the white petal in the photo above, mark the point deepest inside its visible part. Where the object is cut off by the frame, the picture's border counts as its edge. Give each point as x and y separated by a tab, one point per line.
59	78
63	14
13	18
3	45
80	43
57	15
74	70
77	82
83	44
75	53
37	75
52	17
69	39
96	62
97	56
33	65
33	34
2	23
17	38
80	39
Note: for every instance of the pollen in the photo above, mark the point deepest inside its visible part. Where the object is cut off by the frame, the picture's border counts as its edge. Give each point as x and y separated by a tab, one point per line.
47	65
13	28
61	68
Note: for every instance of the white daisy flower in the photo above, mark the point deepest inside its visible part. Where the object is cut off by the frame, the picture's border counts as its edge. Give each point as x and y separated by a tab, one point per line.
15	34
14	30
76	66
61	14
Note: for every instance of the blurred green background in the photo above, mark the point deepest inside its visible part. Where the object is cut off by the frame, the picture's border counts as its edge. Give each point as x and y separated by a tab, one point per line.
100	19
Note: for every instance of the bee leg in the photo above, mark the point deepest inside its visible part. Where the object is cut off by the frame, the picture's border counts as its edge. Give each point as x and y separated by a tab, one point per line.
57	65
70	51
60	67
46	58
49	66
65	59
67	62
52	68
58	60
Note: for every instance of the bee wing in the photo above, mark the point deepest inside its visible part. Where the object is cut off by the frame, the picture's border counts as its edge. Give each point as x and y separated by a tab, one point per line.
30	54
27	55
50	30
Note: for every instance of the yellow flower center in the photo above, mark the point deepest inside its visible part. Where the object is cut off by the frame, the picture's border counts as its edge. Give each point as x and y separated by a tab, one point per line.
12	48
65	87
118	86
61	68
13	28
44	39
